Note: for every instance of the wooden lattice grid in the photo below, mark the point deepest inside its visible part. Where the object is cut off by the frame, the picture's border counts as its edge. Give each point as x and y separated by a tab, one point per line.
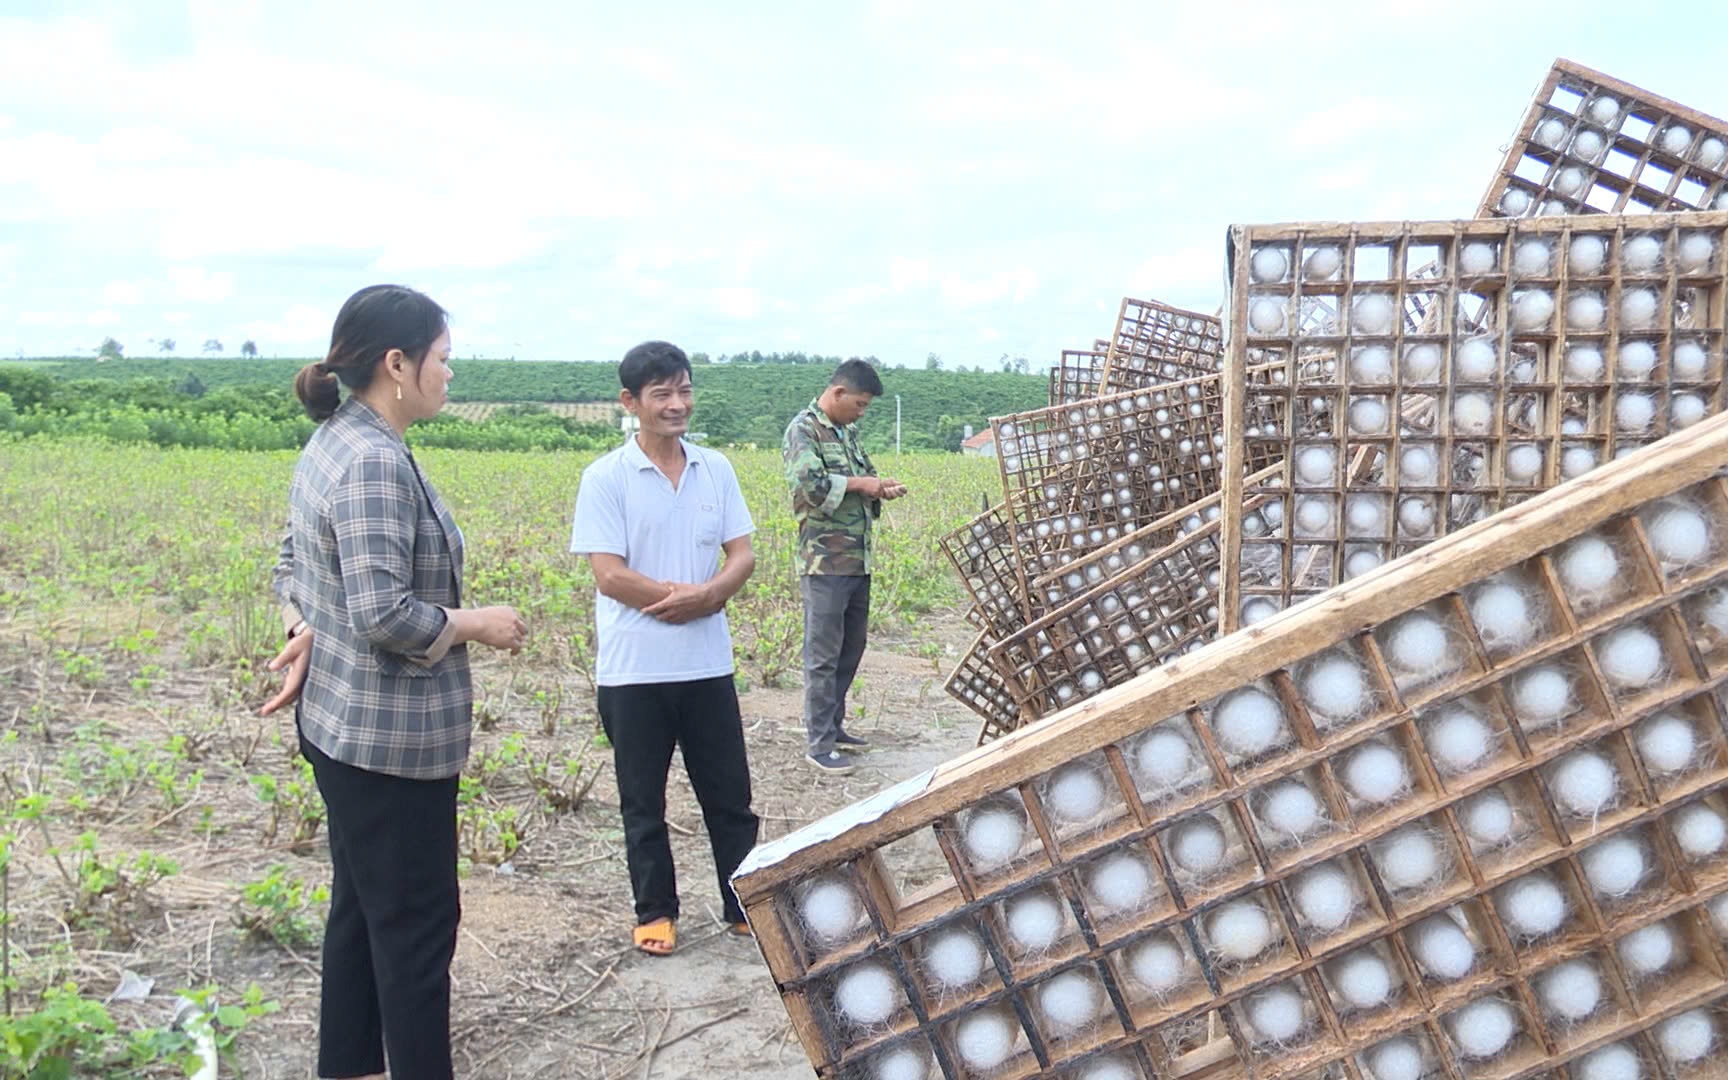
1523	370
976	683
1116	613
986	555
1079	476
1148	760
1156	343
1590	143
1077	376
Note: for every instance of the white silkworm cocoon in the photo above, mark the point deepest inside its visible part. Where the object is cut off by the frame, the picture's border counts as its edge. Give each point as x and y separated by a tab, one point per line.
1589	566
1249	722
1631	657
1324	897
1314	515
1634	412
1542	696
1422	362
1687	1038
1641	254
830	910
994	835
1482	1029
1515	202
984	1039
1568	181
1368	416
1638	308
1616	1061
1240	930
1364	515
1676	140
1376	773
1523	463
1418	643
1120	882
1269	265
1550	133
1700	831
1477	360
1371	364
1266	315
1588	145
1576	461
1532	309
1198	844
1614	867
1604	110
1361	561
1472	414
1442	948
1696	250
1034	919
1679	535
1276	1014
1158	963
1686	409
1409	859
1690	360
1418	466
1257	609
1587	255
1316	464
1488	818
1364	979
1323	263
1532	256
1075	793
902	1063
1372	314
1165	758
953	958
1666	743
1648	950
1711	152
1586	311
1459	740
1069	1001
1571	990
1291	809
1636	361
1396	1059
1335	687
1416	516
1584	363
1584	783
1477	257
1533	906
865	994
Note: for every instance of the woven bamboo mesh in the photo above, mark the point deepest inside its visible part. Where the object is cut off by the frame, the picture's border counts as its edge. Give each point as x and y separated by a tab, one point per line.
1482	837
1077	376
1437	372
1590	143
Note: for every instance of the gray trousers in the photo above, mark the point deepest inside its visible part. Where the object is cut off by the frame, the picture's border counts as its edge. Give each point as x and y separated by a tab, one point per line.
836	619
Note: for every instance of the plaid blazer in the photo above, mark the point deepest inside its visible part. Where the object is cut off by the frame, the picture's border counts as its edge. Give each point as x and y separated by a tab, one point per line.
373	562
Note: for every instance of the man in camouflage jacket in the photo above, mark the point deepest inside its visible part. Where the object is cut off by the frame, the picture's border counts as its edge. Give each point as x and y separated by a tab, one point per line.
836	496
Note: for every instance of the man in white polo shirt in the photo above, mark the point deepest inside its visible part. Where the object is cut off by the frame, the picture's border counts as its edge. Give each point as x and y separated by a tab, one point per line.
653	518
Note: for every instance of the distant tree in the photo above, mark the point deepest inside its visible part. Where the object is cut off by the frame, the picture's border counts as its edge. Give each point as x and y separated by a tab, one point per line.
166	344
950	432
191	386
932	362
695	358
109	349
211	345
249	350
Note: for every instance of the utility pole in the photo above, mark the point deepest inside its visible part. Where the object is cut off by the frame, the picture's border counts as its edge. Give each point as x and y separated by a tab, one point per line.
896	425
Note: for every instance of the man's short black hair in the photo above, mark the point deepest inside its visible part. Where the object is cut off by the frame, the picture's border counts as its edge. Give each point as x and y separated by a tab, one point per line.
858	376
652	362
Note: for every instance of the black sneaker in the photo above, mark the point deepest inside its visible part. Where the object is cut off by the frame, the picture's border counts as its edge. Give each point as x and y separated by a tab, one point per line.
846	738
833	763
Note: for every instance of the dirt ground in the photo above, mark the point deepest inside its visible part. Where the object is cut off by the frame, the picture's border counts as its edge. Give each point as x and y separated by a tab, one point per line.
545	985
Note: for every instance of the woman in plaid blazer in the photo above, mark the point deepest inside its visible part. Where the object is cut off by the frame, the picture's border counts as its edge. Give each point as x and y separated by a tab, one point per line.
370	577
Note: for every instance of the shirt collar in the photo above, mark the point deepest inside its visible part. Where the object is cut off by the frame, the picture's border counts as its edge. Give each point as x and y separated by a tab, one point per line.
822	417
638	458
368	414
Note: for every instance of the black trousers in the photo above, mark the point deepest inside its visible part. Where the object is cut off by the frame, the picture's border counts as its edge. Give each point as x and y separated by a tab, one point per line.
644	722
394	907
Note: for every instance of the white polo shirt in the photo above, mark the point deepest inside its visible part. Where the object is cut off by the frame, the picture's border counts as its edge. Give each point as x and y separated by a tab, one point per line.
626	507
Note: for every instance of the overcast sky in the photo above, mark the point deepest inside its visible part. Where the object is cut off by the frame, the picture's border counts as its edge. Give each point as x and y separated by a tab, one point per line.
892	179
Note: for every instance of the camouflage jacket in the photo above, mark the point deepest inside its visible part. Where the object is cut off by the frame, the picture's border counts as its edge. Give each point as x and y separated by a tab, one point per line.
833	524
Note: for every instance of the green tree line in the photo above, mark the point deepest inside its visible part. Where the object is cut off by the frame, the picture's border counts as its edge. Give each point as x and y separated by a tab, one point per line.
736	403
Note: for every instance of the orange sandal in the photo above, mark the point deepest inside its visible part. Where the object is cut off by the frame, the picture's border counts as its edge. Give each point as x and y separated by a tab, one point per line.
657	938
740	930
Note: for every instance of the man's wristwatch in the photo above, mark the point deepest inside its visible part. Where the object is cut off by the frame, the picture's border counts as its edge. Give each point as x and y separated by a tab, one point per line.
297	629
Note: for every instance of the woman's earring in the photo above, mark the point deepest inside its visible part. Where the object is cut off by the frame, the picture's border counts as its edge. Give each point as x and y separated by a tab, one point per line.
398	391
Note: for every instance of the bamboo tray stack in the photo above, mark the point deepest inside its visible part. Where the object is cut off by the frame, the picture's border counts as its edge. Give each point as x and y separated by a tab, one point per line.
1156	343
1464	817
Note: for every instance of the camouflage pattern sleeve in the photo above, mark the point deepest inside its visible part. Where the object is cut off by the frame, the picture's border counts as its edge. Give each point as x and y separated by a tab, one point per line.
813	487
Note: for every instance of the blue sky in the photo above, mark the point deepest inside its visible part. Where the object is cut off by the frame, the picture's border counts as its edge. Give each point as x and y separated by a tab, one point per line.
892	178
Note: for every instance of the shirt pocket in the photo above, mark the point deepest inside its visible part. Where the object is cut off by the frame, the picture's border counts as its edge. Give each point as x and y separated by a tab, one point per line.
707	527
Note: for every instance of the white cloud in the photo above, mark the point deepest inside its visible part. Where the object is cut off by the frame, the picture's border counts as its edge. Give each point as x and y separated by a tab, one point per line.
101	318
125	293
1012	285
199	285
